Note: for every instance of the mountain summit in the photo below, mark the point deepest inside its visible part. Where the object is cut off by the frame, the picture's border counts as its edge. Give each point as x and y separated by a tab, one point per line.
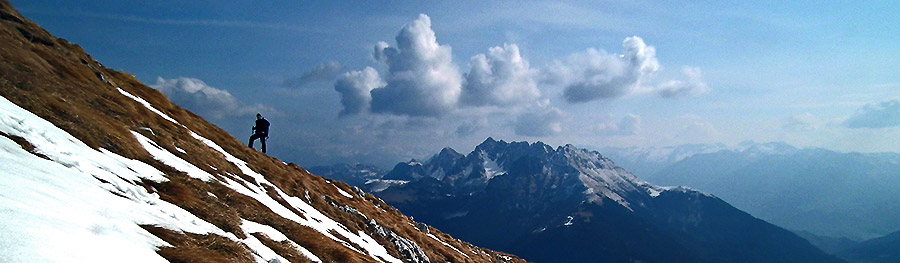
97	167
567	204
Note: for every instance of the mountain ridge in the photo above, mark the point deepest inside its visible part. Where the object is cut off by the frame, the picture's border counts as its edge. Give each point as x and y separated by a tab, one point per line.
541	199
811	189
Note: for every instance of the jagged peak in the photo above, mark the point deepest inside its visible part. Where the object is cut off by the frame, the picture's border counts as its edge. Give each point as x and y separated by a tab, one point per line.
542	145
568	147
490	142
449	152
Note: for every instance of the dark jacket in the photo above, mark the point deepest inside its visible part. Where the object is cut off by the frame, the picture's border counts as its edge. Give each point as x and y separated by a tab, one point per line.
262	126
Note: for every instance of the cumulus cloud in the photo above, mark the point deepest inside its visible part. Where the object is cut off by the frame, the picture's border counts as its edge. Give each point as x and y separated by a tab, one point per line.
501	77
324	71
691	86
540	122
630	124
421	77
195	95
882	115
595	74
355	89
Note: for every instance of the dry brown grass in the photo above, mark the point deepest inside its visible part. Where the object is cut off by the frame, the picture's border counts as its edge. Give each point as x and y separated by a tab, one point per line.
199	248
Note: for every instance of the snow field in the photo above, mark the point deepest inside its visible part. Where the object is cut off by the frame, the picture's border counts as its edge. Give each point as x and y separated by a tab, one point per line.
71	208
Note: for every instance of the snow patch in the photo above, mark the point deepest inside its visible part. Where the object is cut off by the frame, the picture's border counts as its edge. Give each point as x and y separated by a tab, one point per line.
342	192
491	168
568	221
147	105
655	191
170	159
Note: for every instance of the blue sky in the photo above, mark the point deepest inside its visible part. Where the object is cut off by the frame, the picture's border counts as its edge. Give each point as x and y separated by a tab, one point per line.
339	87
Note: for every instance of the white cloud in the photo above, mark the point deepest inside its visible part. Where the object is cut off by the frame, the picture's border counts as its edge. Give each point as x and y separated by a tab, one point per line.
630	124
195	95
323	71
692	86
539	122
421	77
355	89
882	115
595	74
501	77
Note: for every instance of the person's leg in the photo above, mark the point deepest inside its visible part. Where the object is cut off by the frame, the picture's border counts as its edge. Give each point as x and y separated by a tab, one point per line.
252	138
262	139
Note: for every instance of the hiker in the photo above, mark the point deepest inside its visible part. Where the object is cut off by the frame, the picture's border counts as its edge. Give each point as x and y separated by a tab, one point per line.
260	131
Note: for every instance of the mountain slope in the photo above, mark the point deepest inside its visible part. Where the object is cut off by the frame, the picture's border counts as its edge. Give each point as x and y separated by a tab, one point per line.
880	250
824	192
97	167
572	205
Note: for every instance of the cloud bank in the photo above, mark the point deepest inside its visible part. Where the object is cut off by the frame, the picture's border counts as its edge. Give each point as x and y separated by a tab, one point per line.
421	79
882	115
418	78
595	74
207	101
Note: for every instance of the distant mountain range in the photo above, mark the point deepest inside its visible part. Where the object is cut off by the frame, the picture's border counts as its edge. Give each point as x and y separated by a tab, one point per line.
572	205
853	195
884	249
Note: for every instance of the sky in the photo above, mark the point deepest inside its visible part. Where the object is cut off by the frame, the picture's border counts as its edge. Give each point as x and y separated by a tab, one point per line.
382	82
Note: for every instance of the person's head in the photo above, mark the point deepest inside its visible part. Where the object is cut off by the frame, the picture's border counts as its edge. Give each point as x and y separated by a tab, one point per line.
258	116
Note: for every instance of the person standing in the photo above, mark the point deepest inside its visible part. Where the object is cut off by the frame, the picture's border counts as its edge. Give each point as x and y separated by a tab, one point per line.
260	131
